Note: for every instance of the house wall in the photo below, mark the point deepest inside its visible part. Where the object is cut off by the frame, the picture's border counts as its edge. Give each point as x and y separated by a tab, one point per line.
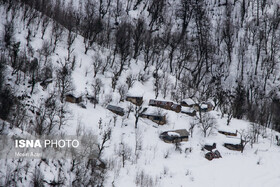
227	133
70	99
135	100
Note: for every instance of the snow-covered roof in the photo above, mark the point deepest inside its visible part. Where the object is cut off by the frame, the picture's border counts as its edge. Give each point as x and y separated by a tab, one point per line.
187	110
173	134
135	93
150	110
233	141
188	101
115	108
203	106
181	132
227	129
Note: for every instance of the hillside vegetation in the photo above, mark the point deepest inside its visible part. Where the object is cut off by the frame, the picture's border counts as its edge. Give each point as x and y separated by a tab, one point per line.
223	52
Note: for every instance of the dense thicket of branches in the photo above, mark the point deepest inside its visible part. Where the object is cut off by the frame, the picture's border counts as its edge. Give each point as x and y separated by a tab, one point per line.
201	44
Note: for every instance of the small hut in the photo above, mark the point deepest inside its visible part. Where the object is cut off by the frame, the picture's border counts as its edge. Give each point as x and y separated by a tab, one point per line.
227	133
227	130
115	109
206	106
175	136
234	144
209	147
162	104
135	100
154	115
72	99
188	102
188	111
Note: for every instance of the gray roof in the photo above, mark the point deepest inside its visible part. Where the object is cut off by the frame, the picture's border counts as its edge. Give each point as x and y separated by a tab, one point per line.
181	132
115	108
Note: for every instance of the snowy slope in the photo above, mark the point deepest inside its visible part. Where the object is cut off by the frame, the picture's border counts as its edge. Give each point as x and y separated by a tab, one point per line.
155	163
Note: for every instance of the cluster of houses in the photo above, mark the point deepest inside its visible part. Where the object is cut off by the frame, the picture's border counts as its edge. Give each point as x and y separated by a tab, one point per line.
187	106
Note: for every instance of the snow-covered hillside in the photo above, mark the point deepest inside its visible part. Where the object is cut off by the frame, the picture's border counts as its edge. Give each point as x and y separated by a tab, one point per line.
108	72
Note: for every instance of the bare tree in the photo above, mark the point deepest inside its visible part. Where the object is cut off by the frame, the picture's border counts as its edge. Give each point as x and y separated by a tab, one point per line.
8	34
123	44
122	89
92	26
184	13
193	124
64	80
45	23
157	84
57	32
138	36
165	85
130	80
106	135
46	50
138	143
137	113
97	64
207	124
96	86
245	138
124	152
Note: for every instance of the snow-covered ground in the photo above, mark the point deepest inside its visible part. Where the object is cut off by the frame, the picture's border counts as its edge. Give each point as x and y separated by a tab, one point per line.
139	156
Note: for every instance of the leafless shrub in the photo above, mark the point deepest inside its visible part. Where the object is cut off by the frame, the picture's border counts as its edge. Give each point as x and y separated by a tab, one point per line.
143	179
207	124
130	80
122	89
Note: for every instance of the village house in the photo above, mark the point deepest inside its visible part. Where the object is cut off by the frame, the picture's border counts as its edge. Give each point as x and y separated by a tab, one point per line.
228	131
162	104
135	100
188	111
115	109
154	115
206	106
188	102
209	147
72	99
175	136
234	144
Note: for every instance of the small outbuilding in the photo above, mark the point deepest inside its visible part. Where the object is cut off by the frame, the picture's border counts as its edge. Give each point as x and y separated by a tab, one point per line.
227	130
115	109
234	144
188	102
227	133
175	136
206	106
72	99
209	147
162	104
154	115
135	100
189	111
